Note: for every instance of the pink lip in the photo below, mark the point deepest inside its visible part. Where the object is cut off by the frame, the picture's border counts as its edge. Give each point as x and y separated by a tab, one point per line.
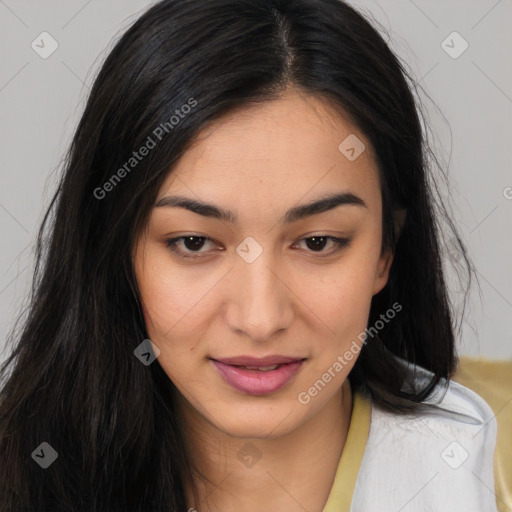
257	382
258	361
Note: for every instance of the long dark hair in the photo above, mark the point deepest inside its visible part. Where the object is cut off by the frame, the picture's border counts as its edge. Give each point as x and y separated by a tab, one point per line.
72	379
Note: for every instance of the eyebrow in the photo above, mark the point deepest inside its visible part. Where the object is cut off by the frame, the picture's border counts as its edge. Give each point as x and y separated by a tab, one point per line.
292	215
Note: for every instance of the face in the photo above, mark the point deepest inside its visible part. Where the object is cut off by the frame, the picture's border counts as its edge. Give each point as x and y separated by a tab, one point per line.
256	273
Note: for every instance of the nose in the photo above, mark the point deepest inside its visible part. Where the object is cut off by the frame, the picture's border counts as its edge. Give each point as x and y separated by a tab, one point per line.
260	302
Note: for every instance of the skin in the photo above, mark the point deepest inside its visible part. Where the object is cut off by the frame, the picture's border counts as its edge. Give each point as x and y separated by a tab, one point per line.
291	300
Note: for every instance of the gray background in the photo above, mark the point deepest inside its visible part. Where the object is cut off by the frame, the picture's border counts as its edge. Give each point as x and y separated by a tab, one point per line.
41	101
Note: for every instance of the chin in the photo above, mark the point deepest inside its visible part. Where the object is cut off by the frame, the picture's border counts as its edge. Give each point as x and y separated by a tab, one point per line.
254	426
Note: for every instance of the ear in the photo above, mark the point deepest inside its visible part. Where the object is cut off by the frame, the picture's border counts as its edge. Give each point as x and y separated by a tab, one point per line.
385	261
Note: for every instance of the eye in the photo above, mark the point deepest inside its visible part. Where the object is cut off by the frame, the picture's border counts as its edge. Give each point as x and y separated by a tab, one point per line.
193	245
191	242
317	243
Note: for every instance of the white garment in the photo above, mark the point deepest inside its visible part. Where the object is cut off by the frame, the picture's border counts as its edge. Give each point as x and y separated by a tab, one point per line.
440	461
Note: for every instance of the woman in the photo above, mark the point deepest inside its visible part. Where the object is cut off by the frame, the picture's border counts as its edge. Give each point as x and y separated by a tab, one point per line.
239	301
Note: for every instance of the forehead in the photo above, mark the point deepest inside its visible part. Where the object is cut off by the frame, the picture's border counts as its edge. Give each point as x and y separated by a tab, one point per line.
296	147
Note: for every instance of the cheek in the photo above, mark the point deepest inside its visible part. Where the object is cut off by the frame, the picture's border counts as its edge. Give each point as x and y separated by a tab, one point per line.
342	299
169	297
163	310
342	302
174	311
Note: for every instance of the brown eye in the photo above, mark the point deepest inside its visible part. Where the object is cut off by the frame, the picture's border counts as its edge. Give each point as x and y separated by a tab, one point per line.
192	244
318	243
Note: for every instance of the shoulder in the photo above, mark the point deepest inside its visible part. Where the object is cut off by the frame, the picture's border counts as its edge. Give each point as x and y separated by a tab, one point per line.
438	459
452	409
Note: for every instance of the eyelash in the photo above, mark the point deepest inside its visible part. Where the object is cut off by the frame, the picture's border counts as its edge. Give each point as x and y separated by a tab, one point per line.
340	244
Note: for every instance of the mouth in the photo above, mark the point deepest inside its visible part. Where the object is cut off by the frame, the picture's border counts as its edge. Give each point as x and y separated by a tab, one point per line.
258	362
258	376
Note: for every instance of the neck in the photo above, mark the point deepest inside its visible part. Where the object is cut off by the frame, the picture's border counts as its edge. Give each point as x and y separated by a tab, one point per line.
292	472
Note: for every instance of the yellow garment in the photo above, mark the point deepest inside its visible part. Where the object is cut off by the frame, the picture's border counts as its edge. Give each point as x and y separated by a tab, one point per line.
492	380
340	497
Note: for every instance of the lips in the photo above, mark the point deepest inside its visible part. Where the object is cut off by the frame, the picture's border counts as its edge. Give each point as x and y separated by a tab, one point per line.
258	376
259	362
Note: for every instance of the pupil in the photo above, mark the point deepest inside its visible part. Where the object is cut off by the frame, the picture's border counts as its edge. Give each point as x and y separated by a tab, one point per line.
194	242
315	244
